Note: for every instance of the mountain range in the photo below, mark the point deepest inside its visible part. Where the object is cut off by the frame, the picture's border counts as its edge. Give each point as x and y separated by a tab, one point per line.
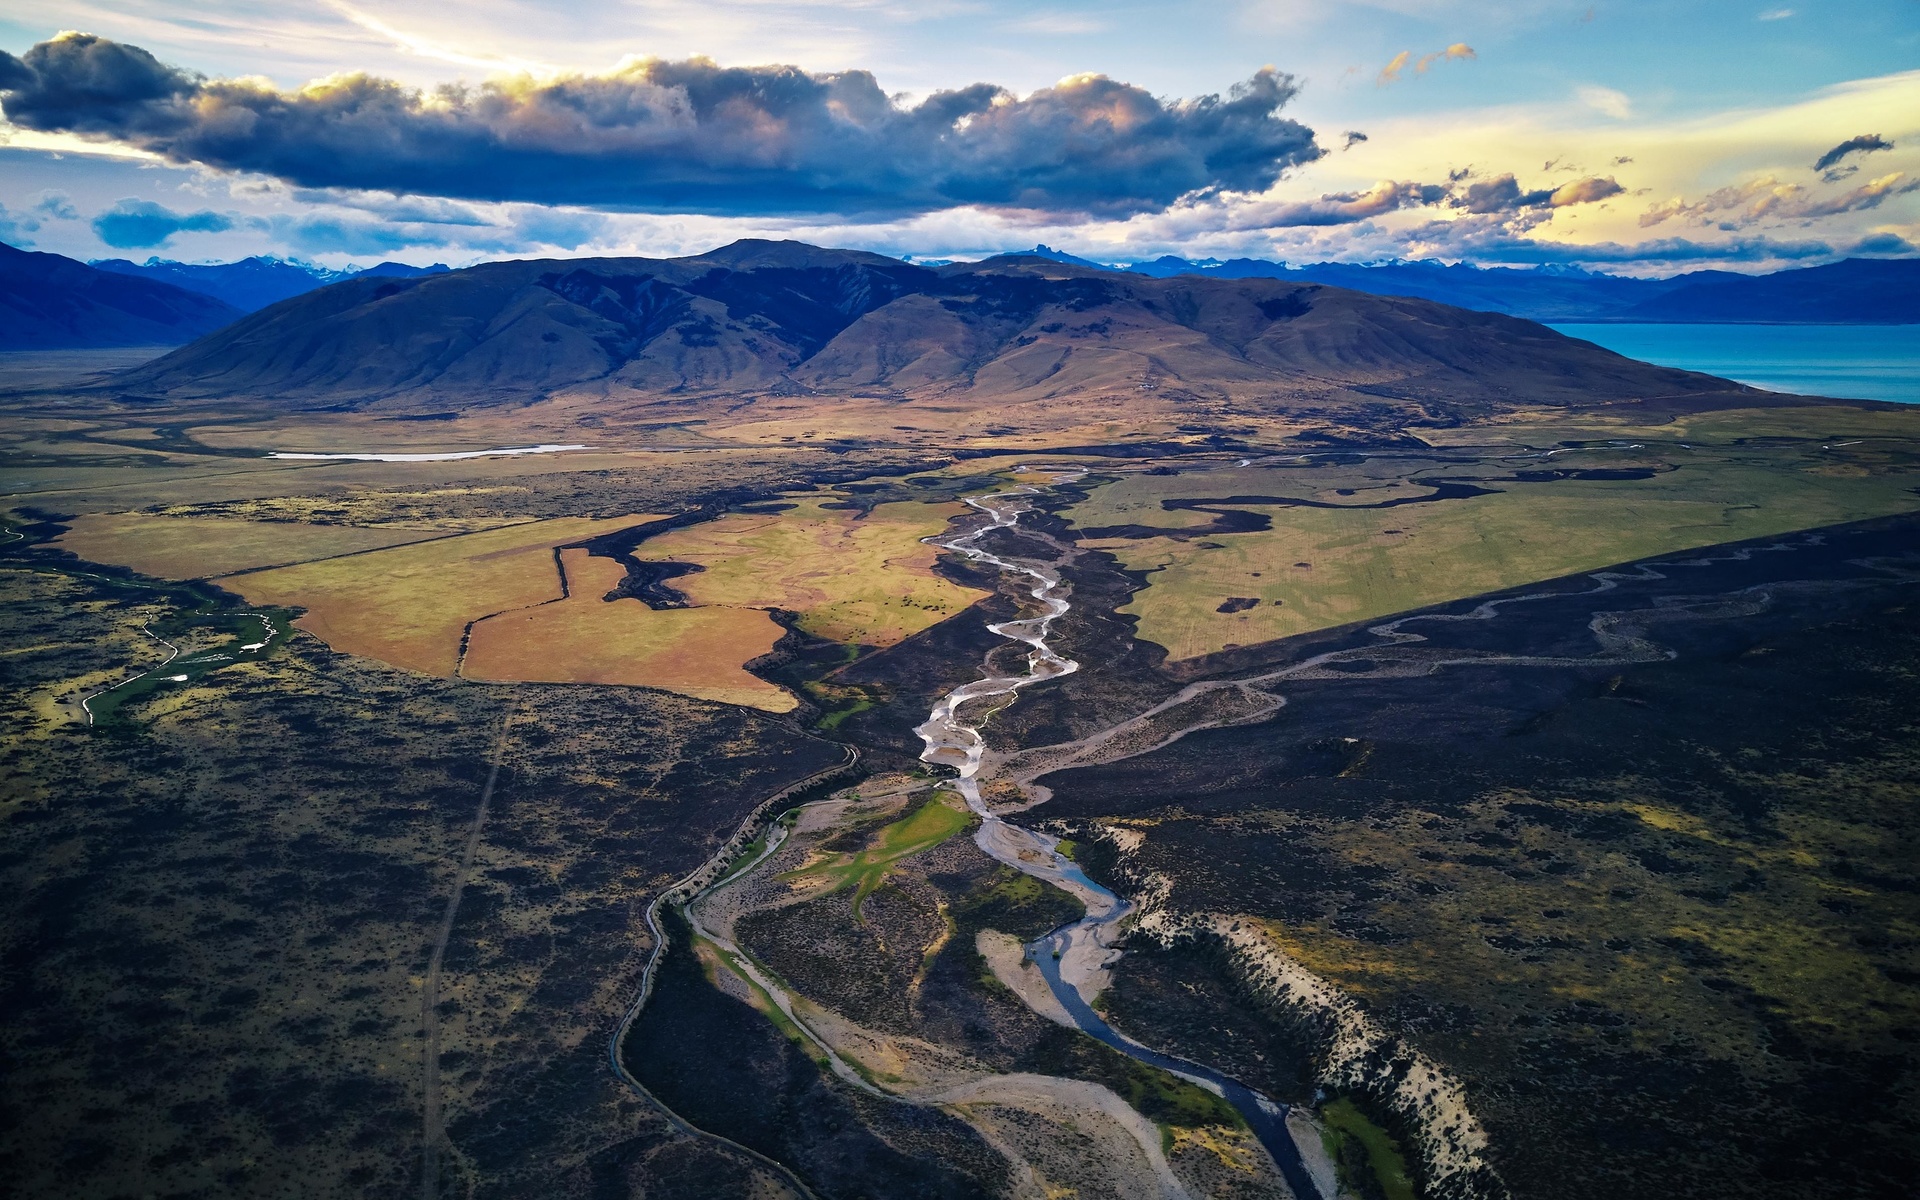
253	283
49	302
74	307
1856	291
708	336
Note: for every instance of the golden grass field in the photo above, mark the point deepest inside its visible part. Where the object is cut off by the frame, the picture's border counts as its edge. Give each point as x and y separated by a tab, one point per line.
696	652
1365	563
409	605
860	580
202	547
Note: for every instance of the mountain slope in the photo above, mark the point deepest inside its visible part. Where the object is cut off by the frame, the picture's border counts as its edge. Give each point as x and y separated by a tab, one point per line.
48	302
252	283
781	318
1859	291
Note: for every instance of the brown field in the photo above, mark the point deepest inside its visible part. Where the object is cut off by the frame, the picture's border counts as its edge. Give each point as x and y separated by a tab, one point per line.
861	580
696	652
408	605
202	547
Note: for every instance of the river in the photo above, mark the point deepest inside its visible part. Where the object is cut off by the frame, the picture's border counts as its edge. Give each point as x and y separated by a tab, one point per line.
1075	952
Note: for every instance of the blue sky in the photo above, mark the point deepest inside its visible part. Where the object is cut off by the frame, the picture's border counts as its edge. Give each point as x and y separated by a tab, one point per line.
1635	136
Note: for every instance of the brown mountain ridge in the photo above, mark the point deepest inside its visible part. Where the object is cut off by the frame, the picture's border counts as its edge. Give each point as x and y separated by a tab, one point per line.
1011	337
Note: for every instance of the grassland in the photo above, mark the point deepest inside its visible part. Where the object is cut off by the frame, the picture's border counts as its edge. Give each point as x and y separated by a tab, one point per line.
171	547
696	652
852	576
1318	567
409	605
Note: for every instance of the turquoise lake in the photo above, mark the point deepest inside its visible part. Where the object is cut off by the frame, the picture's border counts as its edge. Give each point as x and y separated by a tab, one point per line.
1857	362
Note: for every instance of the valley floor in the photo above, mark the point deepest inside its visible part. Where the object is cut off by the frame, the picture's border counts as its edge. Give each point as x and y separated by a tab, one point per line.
1528	809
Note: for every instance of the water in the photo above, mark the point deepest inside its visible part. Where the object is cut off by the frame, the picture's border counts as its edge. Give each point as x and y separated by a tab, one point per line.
1853	362
1082	946
447	456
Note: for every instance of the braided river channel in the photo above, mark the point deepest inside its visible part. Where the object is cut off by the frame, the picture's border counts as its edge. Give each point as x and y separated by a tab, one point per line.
1075	953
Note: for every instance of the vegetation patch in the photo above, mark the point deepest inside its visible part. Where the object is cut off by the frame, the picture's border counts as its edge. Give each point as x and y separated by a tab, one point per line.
853	573
202	547
1284	550
586	638
411	605
1371	1163
931	822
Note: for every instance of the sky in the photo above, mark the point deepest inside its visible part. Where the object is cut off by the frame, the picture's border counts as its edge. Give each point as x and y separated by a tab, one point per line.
1633	136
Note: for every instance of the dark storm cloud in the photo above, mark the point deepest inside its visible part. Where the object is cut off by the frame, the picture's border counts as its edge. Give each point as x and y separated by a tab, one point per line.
679	136
1866	143
1884	245
140	224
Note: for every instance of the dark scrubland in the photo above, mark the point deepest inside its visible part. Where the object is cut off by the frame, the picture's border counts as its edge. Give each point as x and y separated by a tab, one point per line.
217	915
730	1071
1658	917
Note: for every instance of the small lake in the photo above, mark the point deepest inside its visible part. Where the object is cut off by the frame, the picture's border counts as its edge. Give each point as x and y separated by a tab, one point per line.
1854	362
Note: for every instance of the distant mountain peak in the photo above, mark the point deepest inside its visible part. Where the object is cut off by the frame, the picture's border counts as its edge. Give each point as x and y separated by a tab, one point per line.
254	283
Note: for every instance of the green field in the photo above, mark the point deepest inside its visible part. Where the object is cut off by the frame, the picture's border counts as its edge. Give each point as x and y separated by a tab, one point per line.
1365	1153
933	822
1319	567
861	576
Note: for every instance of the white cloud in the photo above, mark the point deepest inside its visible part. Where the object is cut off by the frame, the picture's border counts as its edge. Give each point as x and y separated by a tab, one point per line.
1605	100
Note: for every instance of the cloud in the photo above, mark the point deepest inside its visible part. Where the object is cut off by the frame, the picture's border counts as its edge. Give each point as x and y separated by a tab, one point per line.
361	225
139	224
1059	25
1391	72
1605	100
56	205
1498	204
1584	191
1884	245
1397	66
1503	195
1769	198
1866	143
14	227
1776	14
405	210
1464	239
688	136
1340	208
1455	52
1353	138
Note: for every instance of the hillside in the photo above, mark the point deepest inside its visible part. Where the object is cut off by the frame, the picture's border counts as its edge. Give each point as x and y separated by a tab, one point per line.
252	283
787	320
48	302
1854	292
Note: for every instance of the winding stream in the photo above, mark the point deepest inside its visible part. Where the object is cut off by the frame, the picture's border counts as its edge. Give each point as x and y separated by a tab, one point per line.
1074	954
